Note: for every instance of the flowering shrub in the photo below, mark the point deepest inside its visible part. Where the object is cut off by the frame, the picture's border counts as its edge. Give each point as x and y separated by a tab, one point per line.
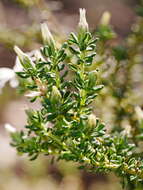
65	125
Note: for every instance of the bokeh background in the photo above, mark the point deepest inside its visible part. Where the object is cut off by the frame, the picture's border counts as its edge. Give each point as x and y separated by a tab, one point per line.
20	24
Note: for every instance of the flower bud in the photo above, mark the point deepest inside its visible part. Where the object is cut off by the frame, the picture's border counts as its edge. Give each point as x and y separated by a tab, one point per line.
10	128
139	113
127	129
18	67
92	120
20	53
105	19
46	35
56	95
25	60
83	25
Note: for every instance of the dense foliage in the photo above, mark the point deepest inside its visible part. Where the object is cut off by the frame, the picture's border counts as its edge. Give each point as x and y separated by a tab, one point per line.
62	79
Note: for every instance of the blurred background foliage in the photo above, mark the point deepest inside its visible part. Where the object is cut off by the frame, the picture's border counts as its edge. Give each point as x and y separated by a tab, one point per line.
119	60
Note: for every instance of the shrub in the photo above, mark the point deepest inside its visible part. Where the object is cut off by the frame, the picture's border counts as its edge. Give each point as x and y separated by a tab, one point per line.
60	77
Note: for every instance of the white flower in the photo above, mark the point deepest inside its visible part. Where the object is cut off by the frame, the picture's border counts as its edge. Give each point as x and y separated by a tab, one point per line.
33	94
82	21
105	19
9	128
14	82
46	34
7	75
139	113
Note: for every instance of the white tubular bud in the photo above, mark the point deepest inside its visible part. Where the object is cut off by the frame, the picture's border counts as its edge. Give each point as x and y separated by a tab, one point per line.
92	120
139	113
33	94
9	128
105	19
20	53
127	131
82	20
23	57
46	35
56	95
